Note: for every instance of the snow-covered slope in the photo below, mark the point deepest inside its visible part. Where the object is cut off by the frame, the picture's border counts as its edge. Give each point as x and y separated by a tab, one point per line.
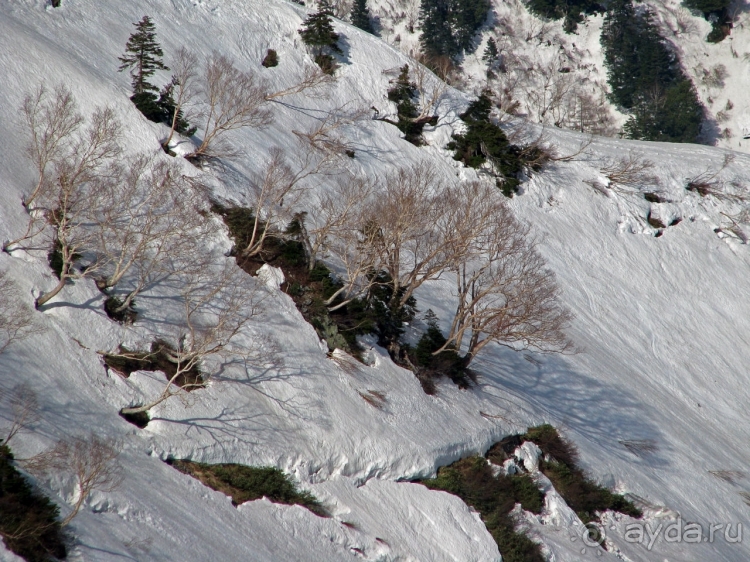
660	326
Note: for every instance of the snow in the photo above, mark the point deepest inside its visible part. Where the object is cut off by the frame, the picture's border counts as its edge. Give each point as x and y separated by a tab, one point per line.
660	326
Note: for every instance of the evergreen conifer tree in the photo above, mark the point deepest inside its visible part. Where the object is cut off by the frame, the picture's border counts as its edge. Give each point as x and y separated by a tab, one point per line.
317	32
490	52
360	16
143	56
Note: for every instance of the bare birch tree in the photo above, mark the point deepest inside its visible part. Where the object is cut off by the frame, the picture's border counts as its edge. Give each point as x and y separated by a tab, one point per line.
183	81
16	317
233	99
91	460
52	120
506	293
412	221
82	175
148	226
216	308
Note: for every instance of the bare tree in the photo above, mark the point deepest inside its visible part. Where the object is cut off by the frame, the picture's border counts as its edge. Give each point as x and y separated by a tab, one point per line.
632	170
148	226
313	84
24	409
505	292
216	308
52	120
337	213
233	100
183	82
277	190
91	460
82	177
16	318
410	230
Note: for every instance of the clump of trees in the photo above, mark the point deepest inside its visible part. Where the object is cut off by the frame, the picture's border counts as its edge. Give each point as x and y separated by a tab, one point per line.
484	145
125	221
317	32
571	12
418	228
143	57
449	26
646	79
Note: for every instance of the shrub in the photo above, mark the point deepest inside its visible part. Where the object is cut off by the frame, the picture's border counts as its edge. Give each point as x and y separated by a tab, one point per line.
472	480
29	522
584	496
271	59
247	483
446	363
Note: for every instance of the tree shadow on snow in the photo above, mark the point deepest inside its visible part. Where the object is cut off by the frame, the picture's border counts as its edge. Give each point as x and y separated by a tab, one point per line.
595	409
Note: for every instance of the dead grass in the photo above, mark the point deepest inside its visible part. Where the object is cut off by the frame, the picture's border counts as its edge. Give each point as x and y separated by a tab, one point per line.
374	398
640	447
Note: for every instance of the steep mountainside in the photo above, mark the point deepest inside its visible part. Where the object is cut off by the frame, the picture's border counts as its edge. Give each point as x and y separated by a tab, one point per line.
654	396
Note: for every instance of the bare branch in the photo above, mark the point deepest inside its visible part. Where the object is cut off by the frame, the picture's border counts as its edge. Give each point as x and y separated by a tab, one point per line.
16	318
91	460
183	81
233	100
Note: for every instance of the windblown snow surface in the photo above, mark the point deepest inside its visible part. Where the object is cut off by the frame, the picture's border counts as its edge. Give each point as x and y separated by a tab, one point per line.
661	327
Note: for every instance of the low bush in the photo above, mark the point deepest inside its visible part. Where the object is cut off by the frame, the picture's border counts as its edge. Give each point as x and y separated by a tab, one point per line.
494	497
446	363
584	496
271	59
486	143
247	483
29	523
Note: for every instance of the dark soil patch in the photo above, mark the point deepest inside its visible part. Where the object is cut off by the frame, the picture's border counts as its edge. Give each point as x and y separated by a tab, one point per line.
125	316
126	362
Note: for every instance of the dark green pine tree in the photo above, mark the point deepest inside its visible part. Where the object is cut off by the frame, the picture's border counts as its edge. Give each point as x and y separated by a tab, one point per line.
403	94
360	16
490	52
437	38
317	32
143	56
